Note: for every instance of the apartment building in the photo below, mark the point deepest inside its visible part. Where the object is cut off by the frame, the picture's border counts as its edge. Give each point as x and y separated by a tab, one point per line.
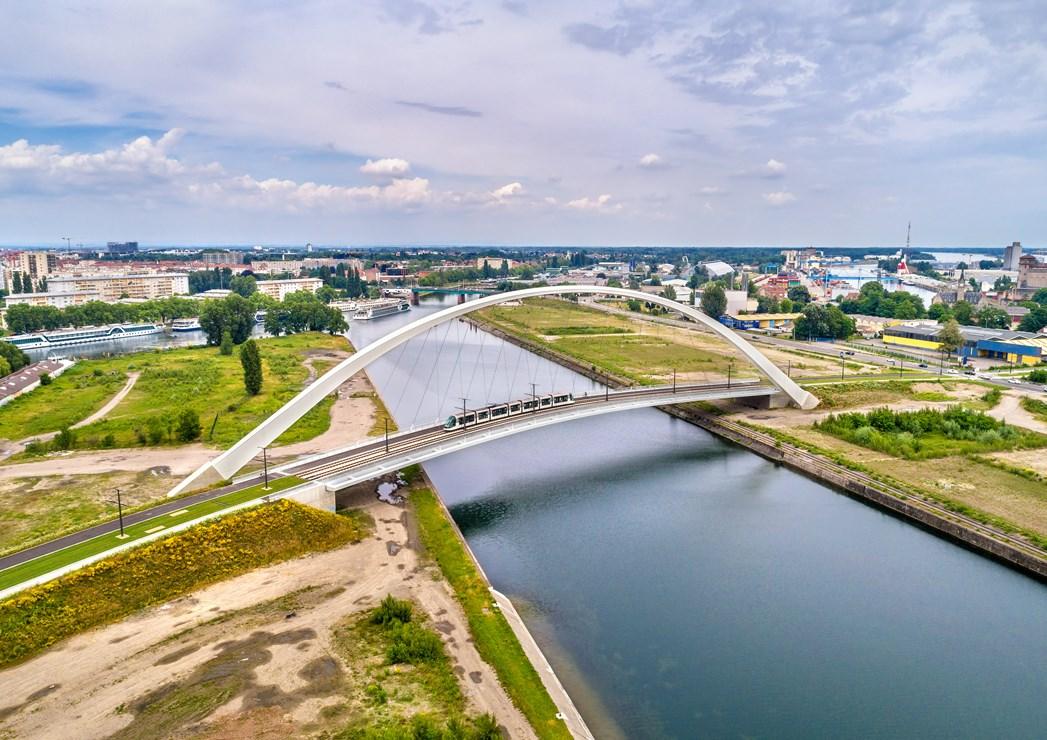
58	300
37	264
280	289
113	286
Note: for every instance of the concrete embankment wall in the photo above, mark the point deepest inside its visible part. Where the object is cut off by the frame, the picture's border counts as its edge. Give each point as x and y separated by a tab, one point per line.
953	528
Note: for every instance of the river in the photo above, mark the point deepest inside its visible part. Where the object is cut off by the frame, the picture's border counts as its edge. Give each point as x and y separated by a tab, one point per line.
688	588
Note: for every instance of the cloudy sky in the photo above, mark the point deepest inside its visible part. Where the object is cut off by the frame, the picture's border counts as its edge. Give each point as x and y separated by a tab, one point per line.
515	122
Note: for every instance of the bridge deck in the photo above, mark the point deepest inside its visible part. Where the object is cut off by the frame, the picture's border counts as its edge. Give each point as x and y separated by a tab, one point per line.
360	462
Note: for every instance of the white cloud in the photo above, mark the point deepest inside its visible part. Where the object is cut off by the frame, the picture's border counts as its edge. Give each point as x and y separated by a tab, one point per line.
774	168
248	192
506	192
779	198
652	161
389	167
599	203
712	190
140	159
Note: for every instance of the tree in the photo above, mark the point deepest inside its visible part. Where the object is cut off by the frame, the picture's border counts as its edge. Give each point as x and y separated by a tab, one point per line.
950	338
188	425
940	312
245	285
993	318
226	347
669	292
5	367
252	364
1002	284
16	282
1040	296
714	300
823	322
503	270
15	357
233	314
963	312
1035	320
634	305
766	304
975	285
799	294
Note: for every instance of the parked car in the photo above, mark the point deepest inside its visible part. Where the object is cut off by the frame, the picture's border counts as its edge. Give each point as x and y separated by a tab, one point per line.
922	364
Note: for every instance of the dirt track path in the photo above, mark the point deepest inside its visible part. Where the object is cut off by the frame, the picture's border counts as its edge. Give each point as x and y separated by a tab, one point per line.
77	689
1010	409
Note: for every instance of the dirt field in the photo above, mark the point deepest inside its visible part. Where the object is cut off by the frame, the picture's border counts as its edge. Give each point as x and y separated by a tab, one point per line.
265	638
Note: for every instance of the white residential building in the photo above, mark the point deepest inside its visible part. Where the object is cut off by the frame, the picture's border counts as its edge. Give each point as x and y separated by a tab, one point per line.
113	286
280	289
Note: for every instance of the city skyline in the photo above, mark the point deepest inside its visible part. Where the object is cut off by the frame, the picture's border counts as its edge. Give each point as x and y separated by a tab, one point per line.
518	124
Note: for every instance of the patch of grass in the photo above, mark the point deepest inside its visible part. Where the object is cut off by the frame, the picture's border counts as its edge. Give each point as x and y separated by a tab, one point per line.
568	331
494	638
1035	407
381	416
158	571
198	378
35	509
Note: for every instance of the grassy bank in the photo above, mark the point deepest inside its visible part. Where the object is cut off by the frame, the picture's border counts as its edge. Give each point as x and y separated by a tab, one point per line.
197	378
494	638
644	353
121	585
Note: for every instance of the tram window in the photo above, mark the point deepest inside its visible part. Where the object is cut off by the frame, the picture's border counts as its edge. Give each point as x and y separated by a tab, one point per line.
500	411
547	401
482	416
514	408
470	418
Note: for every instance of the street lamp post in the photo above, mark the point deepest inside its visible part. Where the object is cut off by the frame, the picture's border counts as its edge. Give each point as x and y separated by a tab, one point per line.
464	409
730	364
265	469
120	513
843	364
674	380
387	435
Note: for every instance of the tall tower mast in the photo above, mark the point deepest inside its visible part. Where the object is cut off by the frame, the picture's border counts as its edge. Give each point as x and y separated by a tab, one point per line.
908	233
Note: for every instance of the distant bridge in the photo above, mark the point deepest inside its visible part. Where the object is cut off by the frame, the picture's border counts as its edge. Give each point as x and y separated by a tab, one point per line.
232	460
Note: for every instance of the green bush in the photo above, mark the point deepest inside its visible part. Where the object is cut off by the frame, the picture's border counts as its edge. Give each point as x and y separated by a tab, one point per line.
188	425
413	644
392	610
1039	375
46	379
64	440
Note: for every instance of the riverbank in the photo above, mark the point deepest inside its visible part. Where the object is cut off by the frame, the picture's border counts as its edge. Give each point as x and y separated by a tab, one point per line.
501	636
967	528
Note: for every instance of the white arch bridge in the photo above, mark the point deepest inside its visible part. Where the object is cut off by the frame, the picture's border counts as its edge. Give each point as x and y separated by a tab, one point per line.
367	460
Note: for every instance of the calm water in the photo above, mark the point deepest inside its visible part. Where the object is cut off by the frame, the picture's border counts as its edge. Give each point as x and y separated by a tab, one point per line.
703	592
131	344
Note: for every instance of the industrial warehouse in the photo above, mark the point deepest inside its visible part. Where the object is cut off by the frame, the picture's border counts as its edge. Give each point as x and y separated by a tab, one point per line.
1017	347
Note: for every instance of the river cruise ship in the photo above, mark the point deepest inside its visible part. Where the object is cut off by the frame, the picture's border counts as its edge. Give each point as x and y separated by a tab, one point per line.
82	335
186	325
382	307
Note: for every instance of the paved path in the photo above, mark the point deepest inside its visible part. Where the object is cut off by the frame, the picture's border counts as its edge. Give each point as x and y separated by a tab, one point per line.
132	378
1010	410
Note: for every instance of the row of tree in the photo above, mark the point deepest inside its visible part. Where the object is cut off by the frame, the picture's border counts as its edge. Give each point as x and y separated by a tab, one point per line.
23	318
21	283
873	300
